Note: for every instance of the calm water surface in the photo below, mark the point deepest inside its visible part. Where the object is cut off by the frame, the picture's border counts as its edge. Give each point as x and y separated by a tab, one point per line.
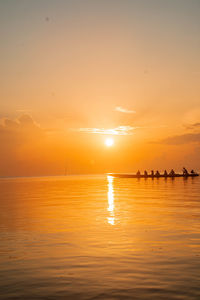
84	237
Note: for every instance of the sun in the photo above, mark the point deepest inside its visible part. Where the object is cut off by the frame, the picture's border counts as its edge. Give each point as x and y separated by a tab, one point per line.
109	142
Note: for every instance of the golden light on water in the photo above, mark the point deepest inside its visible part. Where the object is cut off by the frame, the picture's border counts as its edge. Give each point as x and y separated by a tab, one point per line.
111	205
109	142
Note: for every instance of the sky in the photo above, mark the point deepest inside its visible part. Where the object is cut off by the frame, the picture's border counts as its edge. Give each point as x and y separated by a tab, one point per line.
76	72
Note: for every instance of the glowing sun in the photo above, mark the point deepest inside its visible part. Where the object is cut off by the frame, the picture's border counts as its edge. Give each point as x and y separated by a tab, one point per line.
109	142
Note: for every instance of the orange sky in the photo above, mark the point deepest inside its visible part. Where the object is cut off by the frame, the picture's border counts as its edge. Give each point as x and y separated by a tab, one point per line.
75	72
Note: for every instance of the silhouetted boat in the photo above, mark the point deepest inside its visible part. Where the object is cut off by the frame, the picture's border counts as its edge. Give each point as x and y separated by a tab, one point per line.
118	175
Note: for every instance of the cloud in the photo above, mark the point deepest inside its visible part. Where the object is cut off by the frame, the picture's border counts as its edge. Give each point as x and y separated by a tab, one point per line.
193	126
20	140
120	130
17	132
23	111
124	110
196	124
182	139
25	121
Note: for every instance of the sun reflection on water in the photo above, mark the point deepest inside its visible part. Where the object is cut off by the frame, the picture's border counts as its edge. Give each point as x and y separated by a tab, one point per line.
111	205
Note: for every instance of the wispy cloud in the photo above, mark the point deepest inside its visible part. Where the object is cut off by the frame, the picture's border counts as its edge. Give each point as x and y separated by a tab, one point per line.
120	130
23	111
182	139
193	126
196	124
124	110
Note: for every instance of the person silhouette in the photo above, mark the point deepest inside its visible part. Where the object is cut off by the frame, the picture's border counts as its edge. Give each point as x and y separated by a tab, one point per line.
185	172
138	173
172	173
157	173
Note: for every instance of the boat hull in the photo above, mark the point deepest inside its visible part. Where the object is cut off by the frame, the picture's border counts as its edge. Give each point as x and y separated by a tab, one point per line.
150	176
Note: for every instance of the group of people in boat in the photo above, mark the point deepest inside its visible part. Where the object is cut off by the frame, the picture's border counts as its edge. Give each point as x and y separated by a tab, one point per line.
171	173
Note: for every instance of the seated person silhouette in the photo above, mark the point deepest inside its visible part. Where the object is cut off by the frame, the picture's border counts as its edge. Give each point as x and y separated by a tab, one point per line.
165	173
172	173
145	173
185	172
138	173
157	173
152	172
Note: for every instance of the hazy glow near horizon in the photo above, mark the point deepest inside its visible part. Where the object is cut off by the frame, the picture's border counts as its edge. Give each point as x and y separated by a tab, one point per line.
76	72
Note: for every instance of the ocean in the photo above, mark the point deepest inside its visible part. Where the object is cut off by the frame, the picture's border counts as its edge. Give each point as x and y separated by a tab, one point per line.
97	237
